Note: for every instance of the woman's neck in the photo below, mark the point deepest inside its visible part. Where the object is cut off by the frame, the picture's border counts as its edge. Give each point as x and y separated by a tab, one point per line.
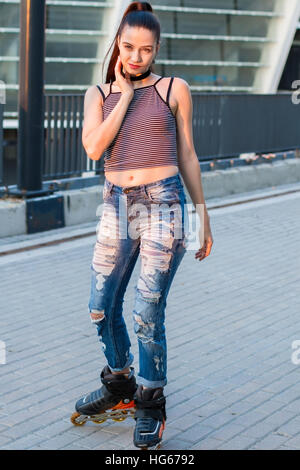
141	83
144	82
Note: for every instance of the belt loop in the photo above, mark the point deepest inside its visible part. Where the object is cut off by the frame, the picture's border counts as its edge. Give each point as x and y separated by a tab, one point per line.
144	191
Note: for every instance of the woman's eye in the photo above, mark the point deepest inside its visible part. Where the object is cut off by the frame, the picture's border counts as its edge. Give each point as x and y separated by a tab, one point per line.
147	50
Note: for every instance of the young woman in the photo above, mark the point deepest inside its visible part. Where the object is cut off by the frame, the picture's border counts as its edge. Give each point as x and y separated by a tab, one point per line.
143	123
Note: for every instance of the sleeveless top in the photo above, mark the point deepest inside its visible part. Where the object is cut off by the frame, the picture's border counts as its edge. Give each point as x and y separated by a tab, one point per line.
147	135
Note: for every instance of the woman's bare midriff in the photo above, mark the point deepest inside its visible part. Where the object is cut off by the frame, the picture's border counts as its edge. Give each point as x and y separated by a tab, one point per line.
143	176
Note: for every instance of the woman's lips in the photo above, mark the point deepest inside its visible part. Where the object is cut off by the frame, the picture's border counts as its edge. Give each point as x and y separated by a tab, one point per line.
134	66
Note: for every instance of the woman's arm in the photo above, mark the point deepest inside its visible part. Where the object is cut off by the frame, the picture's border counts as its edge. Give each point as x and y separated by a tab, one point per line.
97	134
188	162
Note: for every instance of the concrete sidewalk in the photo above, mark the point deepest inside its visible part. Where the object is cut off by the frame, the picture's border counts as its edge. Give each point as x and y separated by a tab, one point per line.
230	323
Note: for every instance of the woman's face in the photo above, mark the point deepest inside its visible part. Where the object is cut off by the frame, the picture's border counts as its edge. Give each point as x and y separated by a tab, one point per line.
137	47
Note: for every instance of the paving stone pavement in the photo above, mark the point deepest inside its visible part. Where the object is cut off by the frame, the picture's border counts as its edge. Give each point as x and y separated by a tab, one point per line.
231	320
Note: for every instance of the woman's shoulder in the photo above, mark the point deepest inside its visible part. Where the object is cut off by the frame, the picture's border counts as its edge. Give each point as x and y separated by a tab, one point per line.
98	92
180	82
181	89
103	87
179	85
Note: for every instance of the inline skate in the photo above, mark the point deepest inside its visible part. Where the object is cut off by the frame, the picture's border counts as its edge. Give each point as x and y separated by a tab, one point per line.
150	417
114	400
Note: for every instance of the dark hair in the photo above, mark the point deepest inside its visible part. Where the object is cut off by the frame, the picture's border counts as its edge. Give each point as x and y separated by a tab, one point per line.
138	14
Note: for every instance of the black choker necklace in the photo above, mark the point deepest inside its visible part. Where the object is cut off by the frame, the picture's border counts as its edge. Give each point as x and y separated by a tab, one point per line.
140	76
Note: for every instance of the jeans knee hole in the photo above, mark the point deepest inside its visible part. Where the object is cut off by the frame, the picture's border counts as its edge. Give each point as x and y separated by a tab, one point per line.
97	315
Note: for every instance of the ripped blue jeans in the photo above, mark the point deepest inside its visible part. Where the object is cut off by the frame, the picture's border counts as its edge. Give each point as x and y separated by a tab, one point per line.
150	219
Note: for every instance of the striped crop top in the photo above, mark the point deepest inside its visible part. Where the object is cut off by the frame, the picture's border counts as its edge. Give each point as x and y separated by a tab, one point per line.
147	135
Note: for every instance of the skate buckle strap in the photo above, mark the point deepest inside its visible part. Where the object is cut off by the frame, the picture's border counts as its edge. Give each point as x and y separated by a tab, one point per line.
150	403
150	408
149	413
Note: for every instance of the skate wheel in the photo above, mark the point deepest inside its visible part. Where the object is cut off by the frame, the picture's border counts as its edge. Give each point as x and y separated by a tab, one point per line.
99	420
74	417
119	419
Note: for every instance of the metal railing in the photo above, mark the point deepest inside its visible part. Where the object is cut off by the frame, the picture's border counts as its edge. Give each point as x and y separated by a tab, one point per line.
64	155
224	125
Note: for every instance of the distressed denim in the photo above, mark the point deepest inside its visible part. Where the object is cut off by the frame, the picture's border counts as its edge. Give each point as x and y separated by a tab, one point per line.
150	219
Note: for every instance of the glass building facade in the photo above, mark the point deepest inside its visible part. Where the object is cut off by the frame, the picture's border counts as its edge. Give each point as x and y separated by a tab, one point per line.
215	45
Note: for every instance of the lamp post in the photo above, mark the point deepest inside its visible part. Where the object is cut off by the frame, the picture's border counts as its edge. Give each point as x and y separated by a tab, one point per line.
31	99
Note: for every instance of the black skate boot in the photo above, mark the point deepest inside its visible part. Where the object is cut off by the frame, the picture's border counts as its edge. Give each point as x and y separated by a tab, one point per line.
113	400
150	417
